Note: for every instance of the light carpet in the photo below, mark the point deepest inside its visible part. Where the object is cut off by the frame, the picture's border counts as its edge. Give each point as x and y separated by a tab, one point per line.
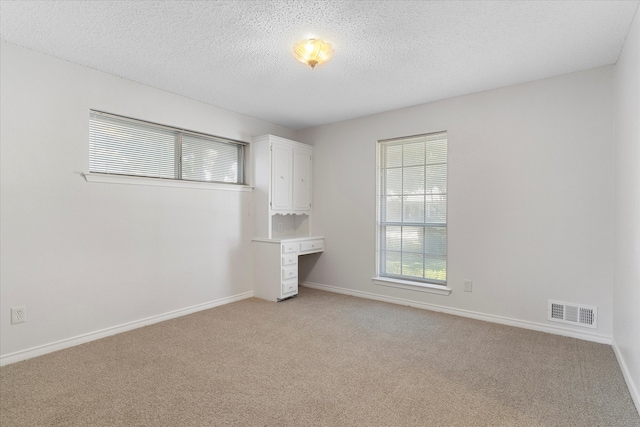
320	359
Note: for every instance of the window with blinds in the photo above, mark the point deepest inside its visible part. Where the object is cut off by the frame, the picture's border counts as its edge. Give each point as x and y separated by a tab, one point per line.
124	146
412	240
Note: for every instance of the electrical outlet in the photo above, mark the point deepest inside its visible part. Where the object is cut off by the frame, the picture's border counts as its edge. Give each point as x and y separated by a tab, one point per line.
468	286
279	226
18	314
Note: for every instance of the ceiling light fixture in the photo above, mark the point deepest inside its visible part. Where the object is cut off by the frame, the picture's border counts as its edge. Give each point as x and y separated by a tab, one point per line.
313	51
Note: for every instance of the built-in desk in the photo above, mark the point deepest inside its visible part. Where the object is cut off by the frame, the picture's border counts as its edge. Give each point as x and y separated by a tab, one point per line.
275	264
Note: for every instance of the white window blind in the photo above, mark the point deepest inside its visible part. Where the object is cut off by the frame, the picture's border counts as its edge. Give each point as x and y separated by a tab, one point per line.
205	159
123	146
412	241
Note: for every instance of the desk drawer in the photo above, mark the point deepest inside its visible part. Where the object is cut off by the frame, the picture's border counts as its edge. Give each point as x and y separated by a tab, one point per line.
311	246
289	287
289	248
290	272
289	259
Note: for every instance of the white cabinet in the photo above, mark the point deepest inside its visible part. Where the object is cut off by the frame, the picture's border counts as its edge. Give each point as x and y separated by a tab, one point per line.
282	187
281	177
301	179
275	267
290	177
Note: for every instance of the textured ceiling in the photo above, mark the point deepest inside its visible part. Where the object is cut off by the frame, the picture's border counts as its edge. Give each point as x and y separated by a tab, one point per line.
388	54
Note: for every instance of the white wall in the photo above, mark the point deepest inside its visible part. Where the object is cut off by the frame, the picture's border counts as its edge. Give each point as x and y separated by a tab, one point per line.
84	257
530	208
626	290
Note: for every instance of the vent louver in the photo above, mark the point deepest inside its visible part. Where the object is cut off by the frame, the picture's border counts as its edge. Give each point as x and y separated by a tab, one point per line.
573	314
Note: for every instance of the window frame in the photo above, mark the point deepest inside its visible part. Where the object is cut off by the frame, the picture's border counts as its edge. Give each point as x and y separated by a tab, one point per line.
177	180
399	281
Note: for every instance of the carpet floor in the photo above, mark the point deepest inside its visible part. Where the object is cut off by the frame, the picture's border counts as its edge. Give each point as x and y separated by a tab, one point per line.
320	359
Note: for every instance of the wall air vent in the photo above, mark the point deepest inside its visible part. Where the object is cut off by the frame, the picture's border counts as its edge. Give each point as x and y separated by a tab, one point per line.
573	314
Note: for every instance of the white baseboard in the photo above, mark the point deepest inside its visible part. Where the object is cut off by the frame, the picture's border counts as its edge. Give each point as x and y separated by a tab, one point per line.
92	336
556	330
633	389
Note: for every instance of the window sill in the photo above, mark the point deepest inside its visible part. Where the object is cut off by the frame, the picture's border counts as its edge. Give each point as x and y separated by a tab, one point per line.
158	182
413	286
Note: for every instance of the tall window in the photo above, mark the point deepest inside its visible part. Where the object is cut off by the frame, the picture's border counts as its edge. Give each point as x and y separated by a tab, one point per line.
123	146
412	224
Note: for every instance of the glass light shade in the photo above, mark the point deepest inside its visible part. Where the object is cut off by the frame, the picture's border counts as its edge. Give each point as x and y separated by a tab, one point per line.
313	51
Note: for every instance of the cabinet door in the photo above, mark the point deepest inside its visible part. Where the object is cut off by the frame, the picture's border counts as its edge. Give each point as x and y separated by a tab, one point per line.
301	179
281	177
